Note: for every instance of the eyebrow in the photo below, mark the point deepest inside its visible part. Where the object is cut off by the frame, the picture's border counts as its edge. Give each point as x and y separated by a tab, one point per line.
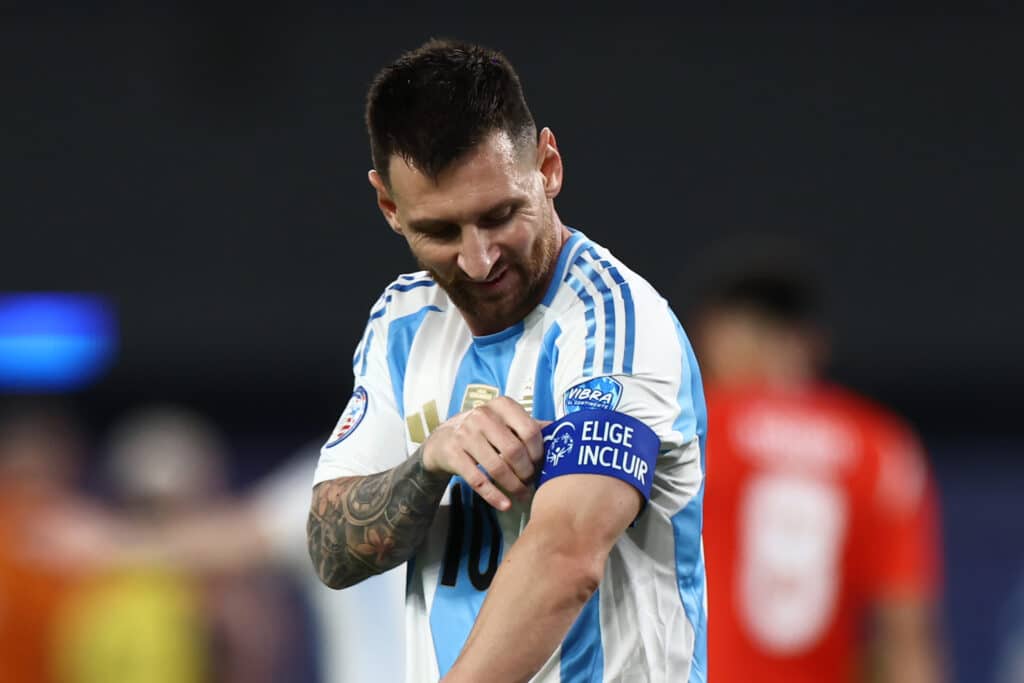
435	224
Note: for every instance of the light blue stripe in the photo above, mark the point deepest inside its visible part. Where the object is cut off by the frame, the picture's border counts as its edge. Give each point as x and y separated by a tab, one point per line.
401	333
588	302
361	346
405	287
544	379
609	311
688	522
582	656
486	361
562	266
692	419
382	310
627	300
455	608
366	352
628	307
498	337
686	528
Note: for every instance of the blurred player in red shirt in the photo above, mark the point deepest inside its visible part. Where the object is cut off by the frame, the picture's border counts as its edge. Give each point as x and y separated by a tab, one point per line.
820	532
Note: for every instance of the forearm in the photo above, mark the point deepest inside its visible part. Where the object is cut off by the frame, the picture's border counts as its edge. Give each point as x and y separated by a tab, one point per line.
907	643
361	526
227	537
536	596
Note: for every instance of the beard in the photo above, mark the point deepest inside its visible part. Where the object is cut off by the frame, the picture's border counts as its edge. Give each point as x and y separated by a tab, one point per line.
532	274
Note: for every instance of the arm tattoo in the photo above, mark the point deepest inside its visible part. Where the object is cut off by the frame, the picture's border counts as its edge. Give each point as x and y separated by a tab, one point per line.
361	526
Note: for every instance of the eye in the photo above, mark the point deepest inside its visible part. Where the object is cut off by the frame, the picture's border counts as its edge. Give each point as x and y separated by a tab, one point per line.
441	232
499	217
444	236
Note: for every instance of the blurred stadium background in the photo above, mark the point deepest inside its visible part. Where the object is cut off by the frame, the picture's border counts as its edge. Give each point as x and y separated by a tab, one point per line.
194	175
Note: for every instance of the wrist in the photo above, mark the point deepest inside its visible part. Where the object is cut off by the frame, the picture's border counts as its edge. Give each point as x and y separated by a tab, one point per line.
430	466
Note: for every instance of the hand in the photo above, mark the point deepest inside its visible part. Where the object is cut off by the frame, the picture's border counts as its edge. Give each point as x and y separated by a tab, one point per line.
501	437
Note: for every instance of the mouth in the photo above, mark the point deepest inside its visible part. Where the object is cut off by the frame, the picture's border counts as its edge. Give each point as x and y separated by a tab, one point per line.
494	282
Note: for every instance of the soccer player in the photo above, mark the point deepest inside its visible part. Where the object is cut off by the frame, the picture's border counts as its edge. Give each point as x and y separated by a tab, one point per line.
527	424
821	526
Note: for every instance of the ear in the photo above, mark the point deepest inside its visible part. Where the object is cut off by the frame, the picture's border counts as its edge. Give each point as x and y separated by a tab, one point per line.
384	201
549	163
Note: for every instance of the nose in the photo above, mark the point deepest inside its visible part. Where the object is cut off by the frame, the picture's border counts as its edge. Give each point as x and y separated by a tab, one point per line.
477	253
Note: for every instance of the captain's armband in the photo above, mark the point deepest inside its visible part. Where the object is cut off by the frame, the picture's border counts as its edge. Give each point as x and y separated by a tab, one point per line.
601	442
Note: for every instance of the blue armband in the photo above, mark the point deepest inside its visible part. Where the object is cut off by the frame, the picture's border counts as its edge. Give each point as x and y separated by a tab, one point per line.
601	442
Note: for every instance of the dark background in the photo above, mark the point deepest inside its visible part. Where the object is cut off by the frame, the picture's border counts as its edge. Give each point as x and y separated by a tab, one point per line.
203	165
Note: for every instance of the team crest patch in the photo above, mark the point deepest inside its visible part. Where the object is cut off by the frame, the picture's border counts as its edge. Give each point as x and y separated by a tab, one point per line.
599	393
478	394
351	417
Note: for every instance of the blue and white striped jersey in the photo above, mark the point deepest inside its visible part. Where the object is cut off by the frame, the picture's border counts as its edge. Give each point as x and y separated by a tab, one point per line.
602	337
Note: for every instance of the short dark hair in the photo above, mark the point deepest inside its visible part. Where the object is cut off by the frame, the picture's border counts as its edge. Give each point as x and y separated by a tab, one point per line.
787	297
436	103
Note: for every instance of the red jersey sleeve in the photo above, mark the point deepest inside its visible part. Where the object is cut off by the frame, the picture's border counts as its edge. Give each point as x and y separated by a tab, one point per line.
906	525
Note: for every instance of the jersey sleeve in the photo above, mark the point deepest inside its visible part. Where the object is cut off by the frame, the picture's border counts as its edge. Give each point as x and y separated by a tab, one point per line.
639	363
370	434
621	348
906	517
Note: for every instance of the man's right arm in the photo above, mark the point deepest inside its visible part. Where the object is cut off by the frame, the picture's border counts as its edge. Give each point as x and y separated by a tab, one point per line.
361	526
364	525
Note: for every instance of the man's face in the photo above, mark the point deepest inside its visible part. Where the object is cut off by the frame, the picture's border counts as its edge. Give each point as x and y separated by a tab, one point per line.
485	228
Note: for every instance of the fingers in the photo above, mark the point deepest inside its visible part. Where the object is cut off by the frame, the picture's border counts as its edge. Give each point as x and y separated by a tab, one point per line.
499	436
466	467
493	446
525	428
509	449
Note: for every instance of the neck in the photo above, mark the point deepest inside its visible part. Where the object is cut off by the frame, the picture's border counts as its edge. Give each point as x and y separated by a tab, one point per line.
563	237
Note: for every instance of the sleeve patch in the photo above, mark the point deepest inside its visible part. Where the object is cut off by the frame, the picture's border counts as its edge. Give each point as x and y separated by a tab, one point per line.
599	393
601	442
353	414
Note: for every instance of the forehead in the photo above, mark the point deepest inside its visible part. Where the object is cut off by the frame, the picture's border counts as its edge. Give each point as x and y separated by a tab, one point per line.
493	171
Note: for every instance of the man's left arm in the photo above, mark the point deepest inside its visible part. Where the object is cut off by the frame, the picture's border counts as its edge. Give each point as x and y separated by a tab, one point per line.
906	644
547	577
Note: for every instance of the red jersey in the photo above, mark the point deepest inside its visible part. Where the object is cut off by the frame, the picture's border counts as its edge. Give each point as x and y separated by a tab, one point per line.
817	505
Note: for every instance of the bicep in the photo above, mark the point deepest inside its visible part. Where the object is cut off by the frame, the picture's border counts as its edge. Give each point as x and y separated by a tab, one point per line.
590	509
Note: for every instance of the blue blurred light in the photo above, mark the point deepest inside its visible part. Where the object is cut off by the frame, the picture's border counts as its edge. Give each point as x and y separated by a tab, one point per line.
54	341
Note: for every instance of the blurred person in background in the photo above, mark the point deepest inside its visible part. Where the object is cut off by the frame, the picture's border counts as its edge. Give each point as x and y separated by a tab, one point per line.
41	450
146	617
359	632
821	535
354	632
